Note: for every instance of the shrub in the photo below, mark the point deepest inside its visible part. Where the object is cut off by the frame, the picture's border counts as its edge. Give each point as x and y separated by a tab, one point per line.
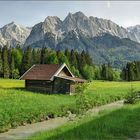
132	96
81	88
82	101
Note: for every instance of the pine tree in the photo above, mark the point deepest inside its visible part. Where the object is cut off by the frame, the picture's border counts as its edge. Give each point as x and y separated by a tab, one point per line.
51	58
62	58
17	53
123	74
42	57
27	60
97	73
83	59
38	56
6	69
138	70
88	59
12	67
88	72
1	64
132	71
104	72
73	59
110	73
67	54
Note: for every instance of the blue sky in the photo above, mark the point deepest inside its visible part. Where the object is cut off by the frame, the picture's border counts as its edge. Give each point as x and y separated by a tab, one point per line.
28	13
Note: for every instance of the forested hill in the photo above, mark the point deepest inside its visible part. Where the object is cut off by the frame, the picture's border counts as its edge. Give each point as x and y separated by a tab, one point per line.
15	61
104	49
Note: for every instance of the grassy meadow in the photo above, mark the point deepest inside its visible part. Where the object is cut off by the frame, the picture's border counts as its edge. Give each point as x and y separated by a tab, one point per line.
18	106
119	124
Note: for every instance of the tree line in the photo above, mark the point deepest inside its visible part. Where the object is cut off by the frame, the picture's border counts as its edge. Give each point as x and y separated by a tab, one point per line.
131	72
15	61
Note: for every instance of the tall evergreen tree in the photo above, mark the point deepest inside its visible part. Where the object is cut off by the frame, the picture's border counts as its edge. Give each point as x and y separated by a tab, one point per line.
67	54
42	57
27	60
12	68
51	58
17	54
88	59
82	60
132	71
6	69
73	59
104	72
62	58
1	64
110	73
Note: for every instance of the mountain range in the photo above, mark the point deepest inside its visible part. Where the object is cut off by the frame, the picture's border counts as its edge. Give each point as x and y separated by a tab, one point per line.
103	39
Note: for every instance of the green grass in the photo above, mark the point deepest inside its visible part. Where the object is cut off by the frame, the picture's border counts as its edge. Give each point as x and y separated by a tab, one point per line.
18	106
102	92
8	83
119	124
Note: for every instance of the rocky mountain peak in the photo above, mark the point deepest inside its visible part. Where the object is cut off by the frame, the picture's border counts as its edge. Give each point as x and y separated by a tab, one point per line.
80	22
75	16
13	33
52	19
79	14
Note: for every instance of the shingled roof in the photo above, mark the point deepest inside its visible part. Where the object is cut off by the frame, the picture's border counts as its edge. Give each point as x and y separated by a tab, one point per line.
48	72
43	72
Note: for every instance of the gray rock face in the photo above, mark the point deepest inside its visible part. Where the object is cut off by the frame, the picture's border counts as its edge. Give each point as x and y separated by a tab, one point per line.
13	34
135	30
77	22
50	25
107	26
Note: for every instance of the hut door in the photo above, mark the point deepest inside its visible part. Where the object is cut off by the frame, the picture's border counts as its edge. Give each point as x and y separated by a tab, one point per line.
65	88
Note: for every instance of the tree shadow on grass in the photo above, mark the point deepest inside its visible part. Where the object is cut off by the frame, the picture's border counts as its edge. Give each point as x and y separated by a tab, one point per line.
14	88
119	124
32	91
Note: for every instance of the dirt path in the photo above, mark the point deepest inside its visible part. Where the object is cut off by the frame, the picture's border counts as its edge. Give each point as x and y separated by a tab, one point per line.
22	132
114	105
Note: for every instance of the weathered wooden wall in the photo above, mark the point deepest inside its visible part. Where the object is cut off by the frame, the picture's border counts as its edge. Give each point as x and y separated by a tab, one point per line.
57	86
61	86
39	85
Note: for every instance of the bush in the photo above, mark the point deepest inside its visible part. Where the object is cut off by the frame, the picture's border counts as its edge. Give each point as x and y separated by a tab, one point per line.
82	101
81	88
132	96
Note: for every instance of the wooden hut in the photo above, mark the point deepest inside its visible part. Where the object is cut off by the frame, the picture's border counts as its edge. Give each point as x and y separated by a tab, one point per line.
50	78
